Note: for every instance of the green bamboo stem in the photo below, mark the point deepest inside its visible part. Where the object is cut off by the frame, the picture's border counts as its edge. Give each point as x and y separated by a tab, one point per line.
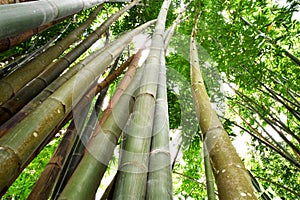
210	183
100	148
18	144
232	178
14	82
159	183
133	167
29	91
45	11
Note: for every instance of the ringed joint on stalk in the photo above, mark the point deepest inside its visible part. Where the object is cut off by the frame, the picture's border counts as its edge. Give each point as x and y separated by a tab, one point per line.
136	164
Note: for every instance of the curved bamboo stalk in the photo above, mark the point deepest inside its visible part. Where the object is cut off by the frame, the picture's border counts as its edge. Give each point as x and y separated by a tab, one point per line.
159	183
45	11
28	92
14	82
232	178
133	168
100	148
18	144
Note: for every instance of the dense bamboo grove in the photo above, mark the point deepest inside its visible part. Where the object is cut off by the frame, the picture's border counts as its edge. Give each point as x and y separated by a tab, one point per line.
63	91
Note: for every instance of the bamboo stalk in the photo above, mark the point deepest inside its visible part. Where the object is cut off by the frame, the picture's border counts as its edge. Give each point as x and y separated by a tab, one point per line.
14	82
53	70
210	184
100	148
43	187
232	178
9	42
18	144
159	183
133	167
45	11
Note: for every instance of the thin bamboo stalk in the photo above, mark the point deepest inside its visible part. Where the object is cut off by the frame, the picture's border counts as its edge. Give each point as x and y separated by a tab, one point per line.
18	144
54	70
159	183
100	148
232	178
210	183
24	59
133	167
14	82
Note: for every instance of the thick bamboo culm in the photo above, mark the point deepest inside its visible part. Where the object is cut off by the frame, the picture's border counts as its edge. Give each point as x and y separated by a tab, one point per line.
45	11
159	182
133	166
232	178
12	83
20	142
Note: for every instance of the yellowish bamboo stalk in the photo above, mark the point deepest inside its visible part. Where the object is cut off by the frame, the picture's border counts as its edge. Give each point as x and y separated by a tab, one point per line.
233	180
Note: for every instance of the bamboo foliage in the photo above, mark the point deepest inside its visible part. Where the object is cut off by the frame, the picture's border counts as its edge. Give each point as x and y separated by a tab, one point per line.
14	82
45	11
133	167
17	145
55	69
233	180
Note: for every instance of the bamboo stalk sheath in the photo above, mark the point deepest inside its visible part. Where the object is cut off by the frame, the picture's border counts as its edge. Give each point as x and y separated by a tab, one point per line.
233	180
17	145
